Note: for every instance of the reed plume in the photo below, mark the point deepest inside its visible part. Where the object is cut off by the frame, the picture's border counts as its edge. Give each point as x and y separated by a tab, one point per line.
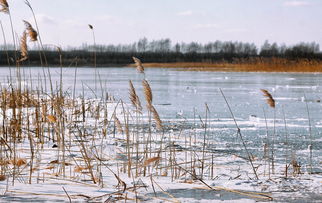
156	118
270	101
139	66
33	35
118	124
23	47
147	93
134	98
5	6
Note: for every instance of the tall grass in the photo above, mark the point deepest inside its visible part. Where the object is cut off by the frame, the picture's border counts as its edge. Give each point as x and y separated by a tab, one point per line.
254	64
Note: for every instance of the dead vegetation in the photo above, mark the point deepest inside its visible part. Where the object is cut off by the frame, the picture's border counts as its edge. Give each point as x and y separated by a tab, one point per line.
256	64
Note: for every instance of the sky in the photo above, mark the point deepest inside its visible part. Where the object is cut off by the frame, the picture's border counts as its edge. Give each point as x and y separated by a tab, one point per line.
65	22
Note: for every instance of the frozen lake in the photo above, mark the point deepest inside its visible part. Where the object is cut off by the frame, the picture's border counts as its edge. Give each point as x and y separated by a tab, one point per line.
181	96
188	133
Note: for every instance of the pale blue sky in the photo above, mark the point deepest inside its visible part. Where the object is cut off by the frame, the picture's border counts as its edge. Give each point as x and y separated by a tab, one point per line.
64	22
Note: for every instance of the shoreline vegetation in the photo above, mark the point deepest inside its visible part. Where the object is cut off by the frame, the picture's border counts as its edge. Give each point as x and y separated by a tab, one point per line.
187	61
212	56
273	66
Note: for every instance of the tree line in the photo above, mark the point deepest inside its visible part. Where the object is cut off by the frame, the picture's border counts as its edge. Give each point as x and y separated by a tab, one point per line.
164	51
225	47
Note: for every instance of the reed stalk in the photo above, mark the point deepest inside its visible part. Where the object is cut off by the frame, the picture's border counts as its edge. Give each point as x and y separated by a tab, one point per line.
310	134
240	135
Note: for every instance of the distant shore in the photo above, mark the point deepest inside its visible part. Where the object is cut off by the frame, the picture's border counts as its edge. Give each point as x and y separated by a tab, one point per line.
186	61
215	67
277	66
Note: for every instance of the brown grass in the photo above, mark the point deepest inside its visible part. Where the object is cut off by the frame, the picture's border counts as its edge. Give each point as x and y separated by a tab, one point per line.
3	177
151	160
51	119
256	64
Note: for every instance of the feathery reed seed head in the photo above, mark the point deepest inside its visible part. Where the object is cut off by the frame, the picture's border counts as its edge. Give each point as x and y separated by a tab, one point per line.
147	93
134	98
270	100
23	47
33	35
5	6
138	63
118	124
156	118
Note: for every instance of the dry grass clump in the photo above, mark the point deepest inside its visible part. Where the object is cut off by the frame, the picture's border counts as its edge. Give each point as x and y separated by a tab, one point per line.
151	160
254	64
275	64
17	99
18	162
51	119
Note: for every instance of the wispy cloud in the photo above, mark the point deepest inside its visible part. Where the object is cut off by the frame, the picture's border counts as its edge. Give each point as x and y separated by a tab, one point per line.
44	19
296	3
206	26
74	23
236	30
185	13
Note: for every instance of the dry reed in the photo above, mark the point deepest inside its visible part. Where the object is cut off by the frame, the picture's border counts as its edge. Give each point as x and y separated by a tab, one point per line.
51	119
139	66
33	35
5	6
23	47
147	93
270	101
118	125
156	118
135	100
253	64
151	160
